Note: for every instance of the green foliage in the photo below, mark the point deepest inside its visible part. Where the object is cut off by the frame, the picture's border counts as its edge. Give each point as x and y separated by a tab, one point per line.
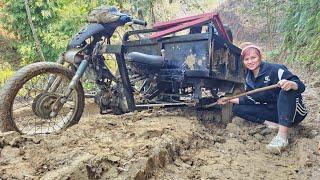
262	18
296	22
55	23
14	20
143	5
5	72
301	28
290	27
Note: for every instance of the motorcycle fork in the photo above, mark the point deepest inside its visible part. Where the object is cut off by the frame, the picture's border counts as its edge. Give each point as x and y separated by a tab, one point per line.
72	85
53	81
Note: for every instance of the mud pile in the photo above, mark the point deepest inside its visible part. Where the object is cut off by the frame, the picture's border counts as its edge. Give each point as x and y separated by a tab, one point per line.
99	147
241	154
165	144
158	144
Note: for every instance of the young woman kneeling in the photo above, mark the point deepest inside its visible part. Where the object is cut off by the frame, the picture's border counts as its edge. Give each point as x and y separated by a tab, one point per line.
281	108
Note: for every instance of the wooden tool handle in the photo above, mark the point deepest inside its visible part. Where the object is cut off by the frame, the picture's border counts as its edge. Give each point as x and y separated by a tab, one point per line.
245	94
254	91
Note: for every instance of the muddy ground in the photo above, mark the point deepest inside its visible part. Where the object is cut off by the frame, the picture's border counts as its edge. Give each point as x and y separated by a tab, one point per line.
164	144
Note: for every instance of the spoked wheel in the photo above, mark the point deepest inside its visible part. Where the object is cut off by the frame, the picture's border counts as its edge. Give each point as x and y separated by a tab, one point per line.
27	99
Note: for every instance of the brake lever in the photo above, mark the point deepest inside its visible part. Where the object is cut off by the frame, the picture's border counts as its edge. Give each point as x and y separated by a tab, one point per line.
130	24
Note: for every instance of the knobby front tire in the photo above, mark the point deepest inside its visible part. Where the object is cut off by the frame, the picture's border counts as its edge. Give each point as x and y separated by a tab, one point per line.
25	104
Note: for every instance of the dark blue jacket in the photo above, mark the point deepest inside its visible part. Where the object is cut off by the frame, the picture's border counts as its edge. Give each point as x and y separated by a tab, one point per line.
269	74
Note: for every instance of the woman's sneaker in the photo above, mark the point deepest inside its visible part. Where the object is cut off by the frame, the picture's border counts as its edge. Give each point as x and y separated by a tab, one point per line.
277	144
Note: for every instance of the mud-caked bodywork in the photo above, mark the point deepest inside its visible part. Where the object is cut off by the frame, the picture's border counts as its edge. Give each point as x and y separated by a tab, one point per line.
194	58
175	64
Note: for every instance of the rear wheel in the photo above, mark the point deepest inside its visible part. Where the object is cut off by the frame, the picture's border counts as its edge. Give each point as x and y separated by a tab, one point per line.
27	98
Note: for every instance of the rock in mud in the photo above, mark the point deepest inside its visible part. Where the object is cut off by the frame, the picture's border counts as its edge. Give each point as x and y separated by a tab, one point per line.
219	139
266	131
1	143
34	139
75	170
102	168
315	84
233	128
129	154
257	129
185	158
113	158
11	138
259	137
111	174
239	121
306	152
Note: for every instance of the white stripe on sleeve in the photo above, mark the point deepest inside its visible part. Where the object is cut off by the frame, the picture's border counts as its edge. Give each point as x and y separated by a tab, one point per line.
280	73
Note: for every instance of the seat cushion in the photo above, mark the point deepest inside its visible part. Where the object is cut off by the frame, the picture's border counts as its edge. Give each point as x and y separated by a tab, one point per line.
152	60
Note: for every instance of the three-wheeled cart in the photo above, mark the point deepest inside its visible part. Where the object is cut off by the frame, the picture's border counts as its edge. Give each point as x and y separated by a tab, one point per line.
185	58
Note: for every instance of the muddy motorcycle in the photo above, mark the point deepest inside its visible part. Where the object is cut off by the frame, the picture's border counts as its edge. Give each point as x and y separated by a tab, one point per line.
184	62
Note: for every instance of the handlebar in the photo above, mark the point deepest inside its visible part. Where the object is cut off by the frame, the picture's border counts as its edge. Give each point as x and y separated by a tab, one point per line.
139	22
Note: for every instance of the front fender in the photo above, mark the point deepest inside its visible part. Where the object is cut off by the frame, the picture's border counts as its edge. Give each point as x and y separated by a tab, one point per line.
85	33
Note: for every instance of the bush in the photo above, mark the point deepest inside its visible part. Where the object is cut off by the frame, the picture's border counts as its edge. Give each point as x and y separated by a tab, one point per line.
5	73
301	28
55	23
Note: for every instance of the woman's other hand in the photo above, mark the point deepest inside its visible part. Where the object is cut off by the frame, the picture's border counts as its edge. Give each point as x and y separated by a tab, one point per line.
287	85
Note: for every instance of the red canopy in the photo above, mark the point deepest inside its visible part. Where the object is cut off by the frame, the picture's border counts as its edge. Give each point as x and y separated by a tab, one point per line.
173	26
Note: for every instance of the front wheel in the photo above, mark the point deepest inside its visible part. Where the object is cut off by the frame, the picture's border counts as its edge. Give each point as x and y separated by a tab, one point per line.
27	98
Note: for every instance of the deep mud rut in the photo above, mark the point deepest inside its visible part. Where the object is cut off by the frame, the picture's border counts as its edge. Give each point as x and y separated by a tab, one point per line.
163	144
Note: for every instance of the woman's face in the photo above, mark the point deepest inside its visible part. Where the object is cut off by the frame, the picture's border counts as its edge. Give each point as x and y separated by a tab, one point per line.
252	60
